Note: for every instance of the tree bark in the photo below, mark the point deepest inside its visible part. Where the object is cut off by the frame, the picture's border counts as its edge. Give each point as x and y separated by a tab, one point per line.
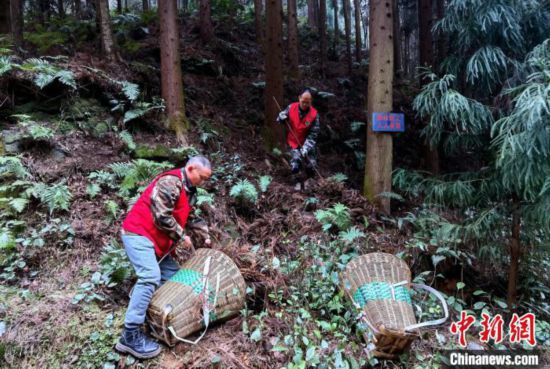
396	39
336	26
272	132
206	29
77	9
5	17
426	60
312	12
347	22
358	42
515	255
60	8
323	34
293	54
258	9
107	41
119	6
378	166
170	70
441	44
145	5
16	19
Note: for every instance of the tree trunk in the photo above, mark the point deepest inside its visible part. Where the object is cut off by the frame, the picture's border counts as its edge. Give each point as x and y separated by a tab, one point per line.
258	9
378	166
60	8
396	39
206	29
323	34
170	70
119	6
347	22
16	19
336	26
515	255
358	42
293	54
426	60
126	6
107	42
77	9
145	4
272	132
5	17
441	47
312	13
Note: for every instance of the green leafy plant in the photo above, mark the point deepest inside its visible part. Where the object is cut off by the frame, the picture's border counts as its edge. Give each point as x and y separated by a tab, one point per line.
244	192
136	173
337	216
55	197
264	183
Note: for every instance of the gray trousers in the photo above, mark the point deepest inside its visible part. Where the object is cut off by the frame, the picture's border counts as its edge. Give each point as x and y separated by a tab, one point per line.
150	274
297	161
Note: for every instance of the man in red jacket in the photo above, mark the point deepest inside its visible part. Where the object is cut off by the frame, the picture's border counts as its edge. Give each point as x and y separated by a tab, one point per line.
303	132
151	231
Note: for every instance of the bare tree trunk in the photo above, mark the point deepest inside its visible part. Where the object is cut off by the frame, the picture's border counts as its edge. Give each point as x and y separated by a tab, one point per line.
60	8
206	29
336	26
312	12
16	19
515	255
293	54
323	34
126	9
258	9
272	132
378	166
426	60
441	47
77	9
396	39
119	6
358	42
145	5
4	17
170	70
107	42
347	22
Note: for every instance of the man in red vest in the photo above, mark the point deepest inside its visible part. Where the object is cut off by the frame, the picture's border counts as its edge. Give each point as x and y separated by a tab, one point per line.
303	132
151	231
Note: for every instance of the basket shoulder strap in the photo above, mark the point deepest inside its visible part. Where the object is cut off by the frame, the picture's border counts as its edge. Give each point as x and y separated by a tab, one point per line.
431	322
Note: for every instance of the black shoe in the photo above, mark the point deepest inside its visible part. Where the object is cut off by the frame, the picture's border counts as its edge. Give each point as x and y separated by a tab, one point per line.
136	343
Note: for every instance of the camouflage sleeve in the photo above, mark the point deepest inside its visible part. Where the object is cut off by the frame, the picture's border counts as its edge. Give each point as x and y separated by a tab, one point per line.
163	200
283	115
313	134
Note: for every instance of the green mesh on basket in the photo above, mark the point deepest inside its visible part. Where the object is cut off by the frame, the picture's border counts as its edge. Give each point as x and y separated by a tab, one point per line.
380	291
193	279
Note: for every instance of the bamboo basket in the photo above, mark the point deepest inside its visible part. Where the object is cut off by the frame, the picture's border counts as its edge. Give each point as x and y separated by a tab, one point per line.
209	288
379	285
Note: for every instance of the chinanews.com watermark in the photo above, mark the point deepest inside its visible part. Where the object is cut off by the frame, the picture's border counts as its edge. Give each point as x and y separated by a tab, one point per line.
520	330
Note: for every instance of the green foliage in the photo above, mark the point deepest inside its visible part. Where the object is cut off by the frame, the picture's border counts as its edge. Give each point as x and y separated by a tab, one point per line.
244	192
203	197
338	178
45	73
11	166
136	173
55	197
337	216
128	140
46	40
264	183
351	235
140	109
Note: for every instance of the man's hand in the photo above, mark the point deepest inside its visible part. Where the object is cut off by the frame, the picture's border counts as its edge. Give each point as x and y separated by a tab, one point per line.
201	228
186	242
282	117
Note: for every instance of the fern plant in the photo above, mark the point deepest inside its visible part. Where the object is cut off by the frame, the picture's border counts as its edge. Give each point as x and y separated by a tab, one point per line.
11	166
55	197
337	216
136	173
264	183
244	192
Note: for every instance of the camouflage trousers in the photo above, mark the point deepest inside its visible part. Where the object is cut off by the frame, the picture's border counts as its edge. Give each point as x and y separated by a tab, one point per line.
297	161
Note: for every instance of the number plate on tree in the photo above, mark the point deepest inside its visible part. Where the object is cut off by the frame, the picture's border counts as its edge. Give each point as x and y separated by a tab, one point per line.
388	122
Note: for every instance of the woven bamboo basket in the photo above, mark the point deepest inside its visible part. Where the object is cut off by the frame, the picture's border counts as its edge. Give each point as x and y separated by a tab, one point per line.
208	288
379	284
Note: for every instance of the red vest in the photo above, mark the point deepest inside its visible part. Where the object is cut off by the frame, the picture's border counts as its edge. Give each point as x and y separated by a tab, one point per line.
140	219
300	127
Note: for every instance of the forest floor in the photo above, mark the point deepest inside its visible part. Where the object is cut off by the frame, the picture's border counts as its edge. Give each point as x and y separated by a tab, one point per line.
281	248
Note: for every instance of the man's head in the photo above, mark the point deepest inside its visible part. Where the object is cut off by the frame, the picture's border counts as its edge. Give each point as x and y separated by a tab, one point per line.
198	170
305	99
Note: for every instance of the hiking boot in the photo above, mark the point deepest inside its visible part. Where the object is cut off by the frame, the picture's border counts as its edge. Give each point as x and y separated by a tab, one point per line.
136	343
